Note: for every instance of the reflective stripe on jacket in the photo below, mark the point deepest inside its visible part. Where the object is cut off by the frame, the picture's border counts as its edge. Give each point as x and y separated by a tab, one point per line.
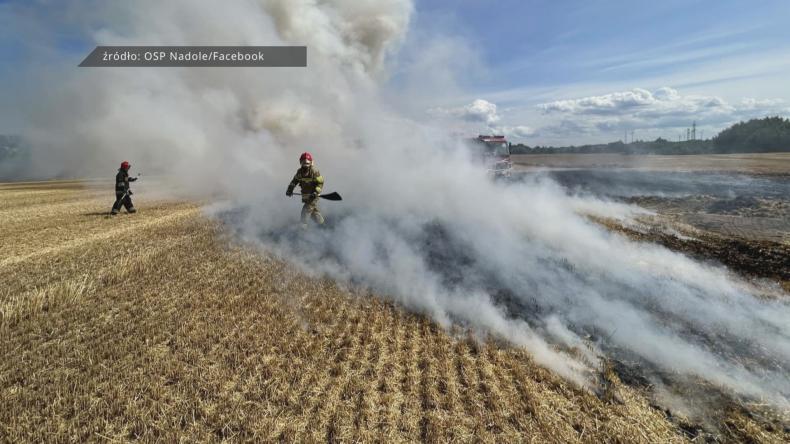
309	180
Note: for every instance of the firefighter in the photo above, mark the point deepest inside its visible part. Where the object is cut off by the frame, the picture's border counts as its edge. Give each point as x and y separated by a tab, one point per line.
122	192
310	181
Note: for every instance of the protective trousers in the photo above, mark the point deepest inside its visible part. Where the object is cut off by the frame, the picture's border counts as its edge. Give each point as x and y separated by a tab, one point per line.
310	208
125	200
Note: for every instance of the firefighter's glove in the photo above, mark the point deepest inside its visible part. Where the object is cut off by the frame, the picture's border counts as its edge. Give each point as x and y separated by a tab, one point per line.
289	193
314	195
132	179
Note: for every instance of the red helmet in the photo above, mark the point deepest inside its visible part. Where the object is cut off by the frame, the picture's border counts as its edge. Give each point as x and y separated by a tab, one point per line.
306	157
125	165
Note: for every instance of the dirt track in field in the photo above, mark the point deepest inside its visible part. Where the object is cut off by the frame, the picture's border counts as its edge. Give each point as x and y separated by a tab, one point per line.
154	326
754	163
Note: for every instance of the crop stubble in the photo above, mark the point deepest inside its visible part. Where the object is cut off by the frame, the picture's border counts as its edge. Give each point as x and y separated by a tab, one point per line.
156	326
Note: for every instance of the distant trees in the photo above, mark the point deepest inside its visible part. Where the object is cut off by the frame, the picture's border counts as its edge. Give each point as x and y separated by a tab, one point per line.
771	134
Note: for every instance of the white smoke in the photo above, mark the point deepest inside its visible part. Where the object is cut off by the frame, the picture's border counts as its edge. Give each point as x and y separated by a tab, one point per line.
419	223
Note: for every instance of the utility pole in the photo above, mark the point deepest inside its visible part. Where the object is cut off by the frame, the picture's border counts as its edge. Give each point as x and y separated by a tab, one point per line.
694	130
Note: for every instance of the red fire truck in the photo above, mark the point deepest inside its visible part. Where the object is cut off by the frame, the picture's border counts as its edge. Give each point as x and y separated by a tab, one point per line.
495	154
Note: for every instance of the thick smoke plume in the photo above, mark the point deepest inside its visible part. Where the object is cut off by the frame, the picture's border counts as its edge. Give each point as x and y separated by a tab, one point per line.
420	222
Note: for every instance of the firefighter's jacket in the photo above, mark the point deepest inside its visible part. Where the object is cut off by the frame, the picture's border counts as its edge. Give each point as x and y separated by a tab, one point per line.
122	180
309	180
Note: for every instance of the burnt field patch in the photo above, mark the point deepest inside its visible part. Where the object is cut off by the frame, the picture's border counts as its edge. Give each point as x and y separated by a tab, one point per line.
752	258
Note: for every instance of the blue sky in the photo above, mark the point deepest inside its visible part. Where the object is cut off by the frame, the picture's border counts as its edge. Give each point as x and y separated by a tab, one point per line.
561	72
546	42
722	61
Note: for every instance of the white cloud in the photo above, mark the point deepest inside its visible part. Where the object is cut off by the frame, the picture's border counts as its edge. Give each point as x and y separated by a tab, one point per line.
663	112
486	117
515	132
614	103
666	93
640	109
640	102
479	111
752	104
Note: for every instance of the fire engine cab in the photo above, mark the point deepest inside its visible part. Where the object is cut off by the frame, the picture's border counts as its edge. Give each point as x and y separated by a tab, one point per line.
495	154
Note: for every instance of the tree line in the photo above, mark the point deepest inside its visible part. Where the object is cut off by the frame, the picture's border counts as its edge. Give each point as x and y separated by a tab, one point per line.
770	134
767	135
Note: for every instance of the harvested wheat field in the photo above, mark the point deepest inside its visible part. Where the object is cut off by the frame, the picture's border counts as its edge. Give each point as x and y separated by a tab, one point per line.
751	163
155	326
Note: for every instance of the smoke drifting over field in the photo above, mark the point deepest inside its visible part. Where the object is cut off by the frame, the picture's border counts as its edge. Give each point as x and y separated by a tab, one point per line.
419	223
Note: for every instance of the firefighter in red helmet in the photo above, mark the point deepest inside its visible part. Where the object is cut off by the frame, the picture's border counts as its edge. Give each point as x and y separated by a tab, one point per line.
310	182
122	192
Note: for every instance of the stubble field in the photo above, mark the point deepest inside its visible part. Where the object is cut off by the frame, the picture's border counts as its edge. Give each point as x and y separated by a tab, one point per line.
751	163
157	326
